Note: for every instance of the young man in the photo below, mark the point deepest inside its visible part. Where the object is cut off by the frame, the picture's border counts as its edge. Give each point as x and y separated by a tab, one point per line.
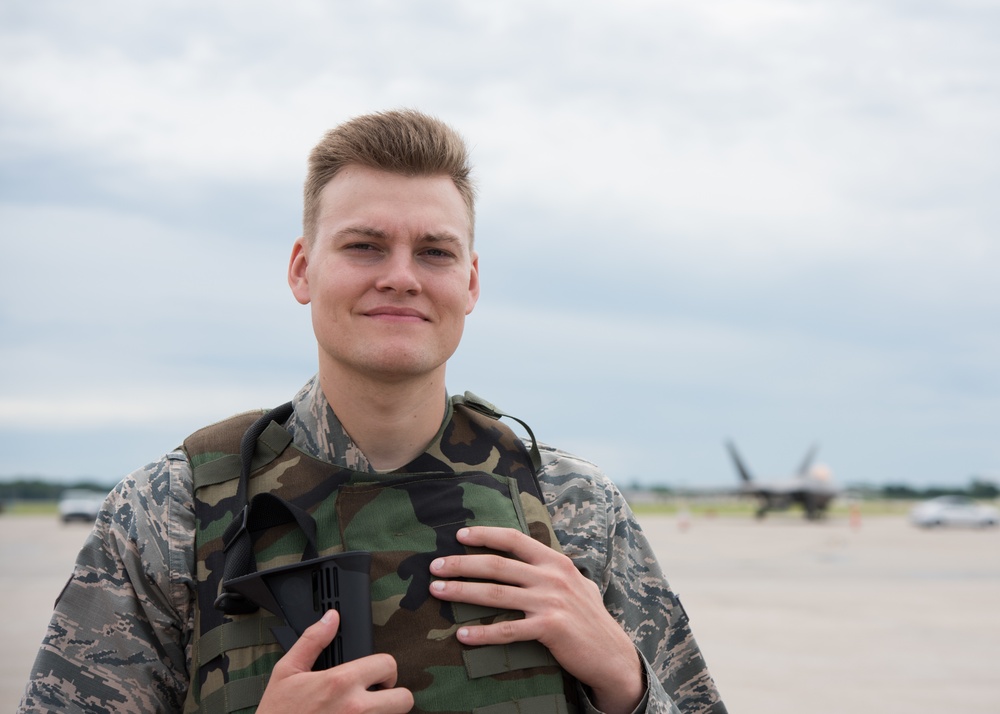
506	577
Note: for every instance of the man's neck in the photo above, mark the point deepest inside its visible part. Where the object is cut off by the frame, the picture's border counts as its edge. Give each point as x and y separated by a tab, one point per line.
392	423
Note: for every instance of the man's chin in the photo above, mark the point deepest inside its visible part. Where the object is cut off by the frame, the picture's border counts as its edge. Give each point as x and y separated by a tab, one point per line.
400	368
387	362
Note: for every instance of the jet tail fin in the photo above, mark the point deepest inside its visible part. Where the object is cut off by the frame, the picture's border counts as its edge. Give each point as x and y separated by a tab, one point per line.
807	461
738	462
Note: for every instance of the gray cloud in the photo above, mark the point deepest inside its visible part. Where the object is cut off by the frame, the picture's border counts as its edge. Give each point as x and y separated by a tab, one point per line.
766	220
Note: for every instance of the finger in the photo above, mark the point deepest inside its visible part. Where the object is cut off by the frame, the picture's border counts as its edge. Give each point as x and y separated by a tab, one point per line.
497	568
488	594
499	633
392	700
377	670
317	637
507	540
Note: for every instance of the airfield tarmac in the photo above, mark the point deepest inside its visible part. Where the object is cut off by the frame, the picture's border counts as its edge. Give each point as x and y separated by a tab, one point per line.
793	617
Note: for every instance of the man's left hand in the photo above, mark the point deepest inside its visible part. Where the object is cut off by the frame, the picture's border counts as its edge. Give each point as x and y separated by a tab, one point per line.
562	609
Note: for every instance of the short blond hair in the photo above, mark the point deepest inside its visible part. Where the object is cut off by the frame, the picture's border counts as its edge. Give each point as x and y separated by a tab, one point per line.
402	141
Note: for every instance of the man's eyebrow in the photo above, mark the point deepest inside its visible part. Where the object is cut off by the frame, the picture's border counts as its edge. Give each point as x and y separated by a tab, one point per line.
443	238
363	232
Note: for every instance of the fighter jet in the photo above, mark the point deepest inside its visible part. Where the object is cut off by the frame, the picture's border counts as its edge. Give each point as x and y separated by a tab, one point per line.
811	487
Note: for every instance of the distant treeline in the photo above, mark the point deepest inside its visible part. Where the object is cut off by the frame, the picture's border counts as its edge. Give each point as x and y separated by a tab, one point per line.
977	489
39	490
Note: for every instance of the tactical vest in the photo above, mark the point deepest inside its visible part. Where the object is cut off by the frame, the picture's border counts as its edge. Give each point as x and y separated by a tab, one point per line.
477	473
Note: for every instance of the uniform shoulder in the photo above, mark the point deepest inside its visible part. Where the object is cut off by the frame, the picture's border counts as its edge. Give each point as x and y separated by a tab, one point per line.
559	465
572	484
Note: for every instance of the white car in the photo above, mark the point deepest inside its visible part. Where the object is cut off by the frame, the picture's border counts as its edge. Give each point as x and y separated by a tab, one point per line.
79	504
953	511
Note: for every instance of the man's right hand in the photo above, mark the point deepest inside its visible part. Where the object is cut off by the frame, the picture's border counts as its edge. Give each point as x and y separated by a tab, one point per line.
295	688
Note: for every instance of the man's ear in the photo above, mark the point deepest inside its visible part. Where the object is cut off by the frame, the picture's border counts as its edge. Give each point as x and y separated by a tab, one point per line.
473	284
298	280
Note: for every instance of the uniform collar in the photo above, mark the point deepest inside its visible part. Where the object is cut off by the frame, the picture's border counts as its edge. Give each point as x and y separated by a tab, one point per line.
317	431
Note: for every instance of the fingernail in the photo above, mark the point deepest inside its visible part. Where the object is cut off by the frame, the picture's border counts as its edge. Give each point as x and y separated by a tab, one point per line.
437	585
463	632
463	532
328	616
437	564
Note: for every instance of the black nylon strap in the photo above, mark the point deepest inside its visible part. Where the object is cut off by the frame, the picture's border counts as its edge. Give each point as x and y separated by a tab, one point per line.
248	444
265	511
259	514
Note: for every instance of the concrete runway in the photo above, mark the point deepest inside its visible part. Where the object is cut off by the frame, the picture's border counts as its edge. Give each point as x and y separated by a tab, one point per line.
792	617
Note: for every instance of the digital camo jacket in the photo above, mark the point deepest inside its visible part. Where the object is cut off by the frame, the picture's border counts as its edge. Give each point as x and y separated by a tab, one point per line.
119	639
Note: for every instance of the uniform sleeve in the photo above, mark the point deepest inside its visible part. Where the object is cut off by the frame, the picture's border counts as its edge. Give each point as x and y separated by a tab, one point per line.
598	531
119	636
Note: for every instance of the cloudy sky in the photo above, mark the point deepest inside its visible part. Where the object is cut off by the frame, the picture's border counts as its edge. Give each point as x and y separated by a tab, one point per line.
762	220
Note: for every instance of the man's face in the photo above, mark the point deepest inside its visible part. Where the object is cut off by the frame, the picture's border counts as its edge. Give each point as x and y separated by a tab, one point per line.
390	274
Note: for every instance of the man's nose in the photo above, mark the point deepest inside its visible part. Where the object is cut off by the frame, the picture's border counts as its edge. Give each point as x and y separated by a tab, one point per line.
400	274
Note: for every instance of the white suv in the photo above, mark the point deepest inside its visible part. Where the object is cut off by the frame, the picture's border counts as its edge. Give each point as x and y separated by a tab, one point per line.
78	504
953	511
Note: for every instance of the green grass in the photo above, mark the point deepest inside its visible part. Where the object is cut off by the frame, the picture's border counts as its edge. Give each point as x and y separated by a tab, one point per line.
730	507
31	508
748	507
669	508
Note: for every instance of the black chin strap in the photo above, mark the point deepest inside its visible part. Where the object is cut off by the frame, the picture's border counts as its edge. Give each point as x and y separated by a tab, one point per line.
258	514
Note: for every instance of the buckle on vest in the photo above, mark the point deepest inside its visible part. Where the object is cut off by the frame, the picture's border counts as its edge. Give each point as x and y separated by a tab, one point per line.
234	604
231	535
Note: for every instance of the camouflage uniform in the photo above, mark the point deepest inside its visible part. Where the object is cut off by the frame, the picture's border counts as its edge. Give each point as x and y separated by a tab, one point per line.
120	636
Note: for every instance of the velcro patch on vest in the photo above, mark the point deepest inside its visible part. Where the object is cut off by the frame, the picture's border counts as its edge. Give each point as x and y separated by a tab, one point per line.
488	660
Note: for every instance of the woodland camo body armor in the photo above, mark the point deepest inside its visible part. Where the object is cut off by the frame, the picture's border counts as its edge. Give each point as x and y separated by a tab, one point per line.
477	473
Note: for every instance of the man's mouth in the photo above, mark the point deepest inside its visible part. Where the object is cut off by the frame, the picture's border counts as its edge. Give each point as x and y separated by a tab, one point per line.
402	314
